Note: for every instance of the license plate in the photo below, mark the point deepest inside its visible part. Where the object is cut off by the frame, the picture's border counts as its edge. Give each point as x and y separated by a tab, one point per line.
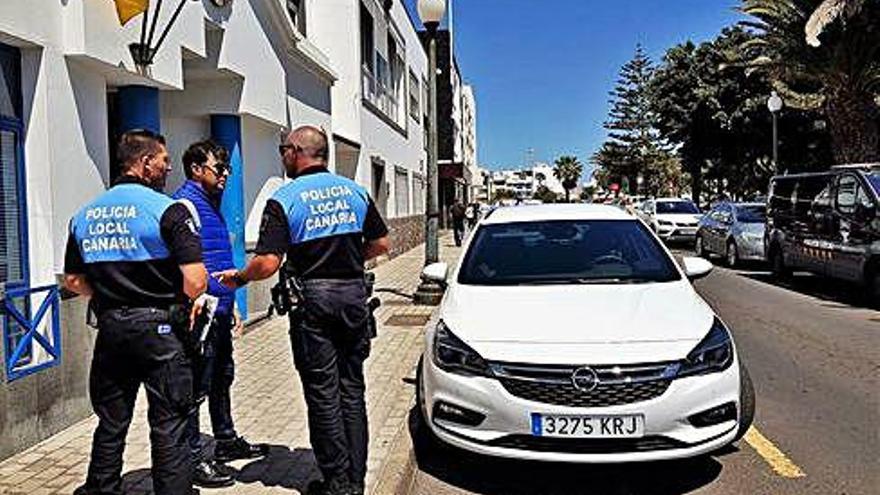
572	426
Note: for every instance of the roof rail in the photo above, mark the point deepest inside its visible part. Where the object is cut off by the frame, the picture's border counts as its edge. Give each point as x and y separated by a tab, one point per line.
857	166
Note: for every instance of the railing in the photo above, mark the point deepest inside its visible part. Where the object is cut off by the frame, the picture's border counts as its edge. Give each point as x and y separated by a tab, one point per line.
45	333
380	95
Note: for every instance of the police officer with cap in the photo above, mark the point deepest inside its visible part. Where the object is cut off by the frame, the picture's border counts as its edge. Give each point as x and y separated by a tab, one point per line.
138	254
328	227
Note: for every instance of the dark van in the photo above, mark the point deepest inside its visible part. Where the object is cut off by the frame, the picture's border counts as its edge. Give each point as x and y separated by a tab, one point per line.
827	223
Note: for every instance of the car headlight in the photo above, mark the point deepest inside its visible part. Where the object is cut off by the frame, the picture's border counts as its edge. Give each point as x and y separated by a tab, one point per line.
713	354
454	356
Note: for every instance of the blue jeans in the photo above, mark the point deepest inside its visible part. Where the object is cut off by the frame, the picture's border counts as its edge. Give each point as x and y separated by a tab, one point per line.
217	373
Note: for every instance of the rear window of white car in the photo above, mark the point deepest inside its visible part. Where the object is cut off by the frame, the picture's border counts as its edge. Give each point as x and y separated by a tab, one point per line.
566	252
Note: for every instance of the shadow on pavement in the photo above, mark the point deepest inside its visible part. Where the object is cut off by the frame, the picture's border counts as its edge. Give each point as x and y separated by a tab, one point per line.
824	288
494	476
284	468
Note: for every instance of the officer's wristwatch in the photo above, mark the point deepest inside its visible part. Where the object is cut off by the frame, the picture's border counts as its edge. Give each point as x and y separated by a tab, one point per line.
239	280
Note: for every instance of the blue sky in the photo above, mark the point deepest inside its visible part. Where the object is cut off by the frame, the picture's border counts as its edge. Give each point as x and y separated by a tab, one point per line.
542	69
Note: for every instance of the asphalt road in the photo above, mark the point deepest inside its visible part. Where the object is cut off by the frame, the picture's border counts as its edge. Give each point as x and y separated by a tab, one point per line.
813	350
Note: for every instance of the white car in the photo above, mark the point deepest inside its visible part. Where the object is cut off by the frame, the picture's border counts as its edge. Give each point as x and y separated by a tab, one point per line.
673	219
569	333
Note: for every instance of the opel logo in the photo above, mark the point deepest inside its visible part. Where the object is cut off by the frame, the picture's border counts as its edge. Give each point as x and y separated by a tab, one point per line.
585	379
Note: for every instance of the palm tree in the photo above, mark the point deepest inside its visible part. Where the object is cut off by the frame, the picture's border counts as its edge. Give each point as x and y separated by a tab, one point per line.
841	76
568	171
828	12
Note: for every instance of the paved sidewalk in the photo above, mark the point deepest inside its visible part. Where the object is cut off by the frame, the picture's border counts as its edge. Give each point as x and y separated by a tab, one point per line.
267	405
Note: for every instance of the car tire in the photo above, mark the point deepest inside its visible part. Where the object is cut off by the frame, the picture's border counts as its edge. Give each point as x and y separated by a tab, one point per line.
777	265
746	402
700	247
874	287
731	256
423	436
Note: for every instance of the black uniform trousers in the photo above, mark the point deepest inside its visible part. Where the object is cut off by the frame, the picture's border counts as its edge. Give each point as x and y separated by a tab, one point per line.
214	381
137	346
331	341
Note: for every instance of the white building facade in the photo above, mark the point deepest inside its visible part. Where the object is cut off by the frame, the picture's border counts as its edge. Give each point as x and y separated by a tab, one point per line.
240	74
379	105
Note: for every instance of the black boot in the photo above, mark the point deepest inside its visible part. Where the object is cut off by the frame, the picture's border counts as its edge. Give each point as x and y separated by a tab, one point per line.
238	448
336	486
207	474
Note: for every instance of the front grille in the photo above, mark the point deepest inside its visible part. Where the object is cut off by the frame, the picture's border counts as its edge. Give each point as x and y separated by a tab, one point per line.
617	385
586	445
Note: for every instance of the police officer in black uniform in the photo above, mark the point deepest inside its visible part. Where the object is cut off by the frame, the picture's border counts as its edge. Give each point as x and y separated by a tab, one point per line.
137	253
328	227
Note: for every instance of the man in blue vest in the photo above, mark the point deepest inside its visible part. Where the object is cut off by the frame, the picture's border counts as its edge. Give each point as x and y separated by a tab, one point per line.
327	226
206	168
138	254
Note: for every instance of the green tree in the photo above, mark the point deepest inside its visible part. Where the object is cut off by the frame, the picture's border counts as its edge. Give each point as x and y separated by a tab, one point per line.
823	54
502	194
714	114
544	194
568	171
634	147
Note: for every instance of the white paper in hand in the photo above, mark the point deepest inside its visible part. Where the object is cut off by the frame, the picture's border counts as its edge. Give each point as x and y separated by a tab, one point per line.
209	306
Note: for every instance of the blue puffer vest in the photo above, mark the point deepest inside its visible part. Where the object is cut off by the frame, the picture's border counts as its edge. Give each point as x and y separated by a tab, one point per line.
216	247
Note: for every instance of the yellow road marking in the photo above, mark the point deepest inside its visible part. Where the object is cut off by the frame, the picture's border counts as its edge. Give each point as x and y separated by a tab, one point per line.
774	457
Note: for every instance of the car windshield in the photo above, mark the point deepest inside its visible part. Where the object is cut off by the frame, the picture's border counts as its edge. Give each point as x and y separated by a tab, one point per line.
677	207
874	180
566	252
751	213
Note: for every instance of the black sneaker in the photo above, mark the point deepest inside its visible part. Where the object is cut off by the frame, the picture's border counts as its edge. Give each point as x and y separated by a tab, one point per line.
207	474
238	448
336	486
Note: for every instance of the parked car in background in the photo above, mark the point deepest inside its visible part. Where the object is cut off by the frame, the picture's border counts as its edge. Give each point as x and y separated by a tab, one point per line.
827	223
673	219
732	230
635	367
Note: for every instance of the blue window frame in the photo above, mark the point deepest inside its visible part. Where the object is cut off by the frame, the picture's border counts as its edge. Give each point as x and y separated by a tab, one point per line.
13	209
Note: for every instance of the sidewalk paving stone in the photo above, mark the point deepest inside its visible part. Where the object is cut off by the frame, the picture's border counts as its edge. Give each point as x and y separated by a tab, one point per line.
268	406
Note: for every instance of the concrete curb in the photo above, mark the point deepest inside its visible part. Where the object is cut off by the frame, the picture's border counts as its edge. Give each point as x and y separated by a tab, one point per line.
397	476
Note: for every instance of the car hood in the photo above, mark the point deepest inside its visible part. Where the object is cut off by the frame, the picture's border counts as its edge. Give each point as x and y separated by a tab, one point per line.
686	218
655	322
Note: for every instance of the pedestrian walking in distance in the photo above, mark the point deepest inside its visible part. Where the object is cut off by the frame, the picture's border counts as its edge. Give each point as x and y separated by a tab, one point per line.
206	167
459	214
138	254
328	227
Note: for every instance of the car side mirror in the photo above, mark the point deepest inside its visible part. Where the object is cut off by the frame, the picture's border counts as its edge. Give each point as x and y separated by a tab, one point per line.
696	268
436	272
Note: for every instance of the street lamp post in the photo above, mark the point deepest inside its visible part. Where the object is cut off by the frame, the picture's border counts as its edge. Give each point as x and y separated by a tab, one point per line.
774	104
428	292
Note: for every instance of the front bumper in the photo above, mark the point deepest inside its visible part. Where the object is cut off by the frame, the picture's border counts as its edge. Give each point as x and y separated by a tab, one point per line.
750	249
677	233
506	429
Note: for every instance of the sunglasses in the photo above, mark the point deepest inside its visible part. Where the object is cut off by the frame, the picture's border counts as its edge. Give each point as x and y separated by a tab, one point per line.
282	149
219	169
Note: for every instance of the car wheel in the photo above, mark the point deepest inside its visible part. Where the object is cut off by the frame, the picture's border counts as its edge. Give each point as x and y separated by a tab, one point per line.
424	437
700	248
874	287
732	255
746	402
778	266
